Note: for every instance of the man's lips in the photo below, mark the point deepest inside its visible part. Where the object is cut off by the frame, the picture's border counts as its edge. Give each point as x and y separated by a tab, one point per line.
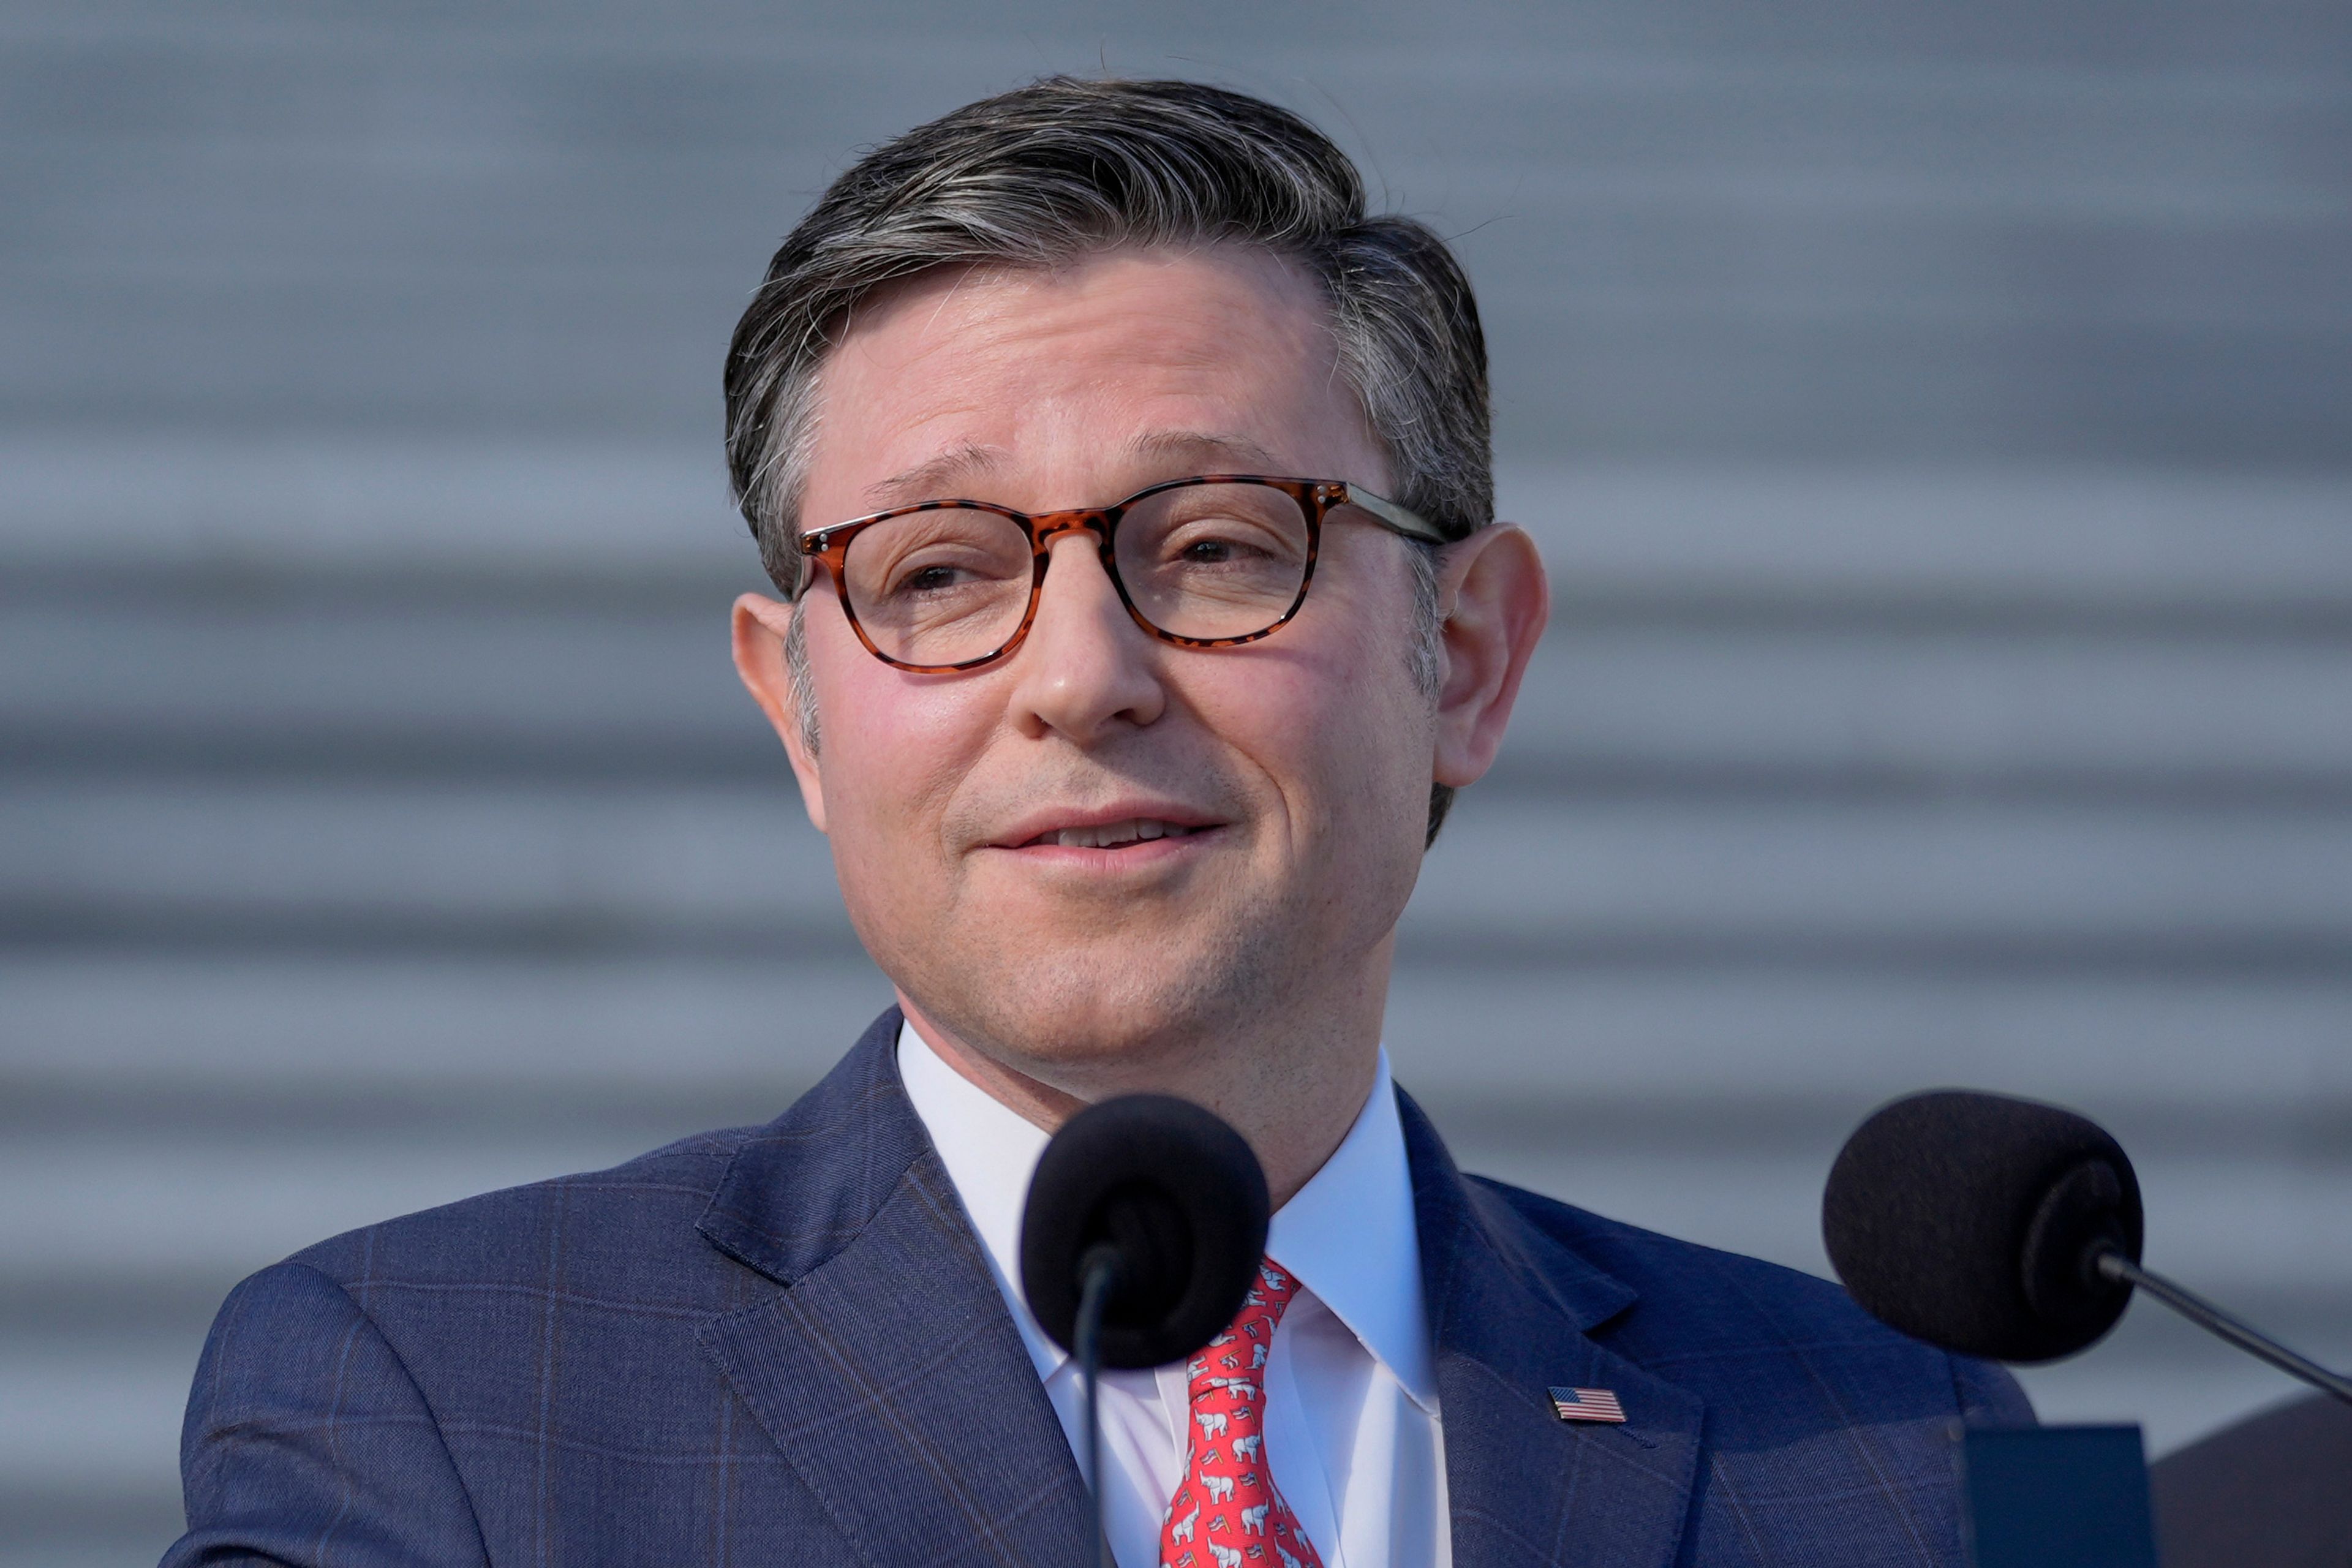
1110	835
1114	828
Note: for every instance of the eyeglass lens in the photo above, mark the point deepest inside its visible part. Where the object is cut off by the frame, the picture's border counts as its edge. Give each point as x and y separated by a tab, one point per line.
949	584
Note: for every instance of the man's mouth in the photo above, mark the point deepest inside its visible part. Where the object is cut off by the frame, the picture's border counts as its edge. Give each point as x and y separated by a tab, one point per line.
1111	835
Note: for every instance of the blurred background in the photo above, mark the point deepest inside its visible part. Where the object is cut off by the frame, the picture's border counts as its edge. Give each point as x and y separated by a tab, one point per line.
1936	419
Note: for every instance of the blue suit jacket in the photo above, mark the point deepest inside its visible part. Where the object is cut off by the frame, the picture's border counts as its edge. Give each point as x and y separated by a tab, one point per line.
781	1345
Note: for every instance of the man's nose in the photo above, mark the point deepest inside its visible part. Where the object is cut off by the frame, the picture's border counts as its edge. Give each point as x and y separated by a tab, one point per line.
1085	668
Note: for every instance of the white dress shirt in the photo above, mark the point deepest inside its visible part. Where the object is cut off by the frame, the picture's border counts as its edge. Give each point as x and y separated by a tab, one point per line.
1352	1437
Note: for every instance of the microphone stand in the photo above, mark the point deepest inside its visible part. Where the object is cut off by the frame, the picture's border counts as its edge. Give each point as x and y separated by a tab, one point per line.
1098	1274
2113	1265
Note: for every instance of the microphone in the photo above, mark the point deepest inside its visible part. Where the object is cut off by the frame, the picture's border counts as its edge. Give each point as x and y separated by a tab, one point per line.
2005	1228
1145	1224
1968	1220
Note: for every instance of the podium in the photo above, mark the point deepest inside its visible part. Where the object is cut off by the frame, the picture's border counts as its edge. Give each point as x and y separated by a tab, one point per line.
2056	1497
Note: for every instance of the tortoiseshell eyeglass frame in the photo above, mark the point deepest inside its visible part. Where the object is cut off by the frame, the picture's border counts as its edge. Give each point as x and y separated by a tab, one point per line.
1316	498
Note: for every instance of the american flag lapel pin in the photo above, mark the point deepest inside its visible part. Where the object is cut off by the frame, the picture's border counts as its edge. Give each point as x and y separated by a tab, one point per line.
1587	1404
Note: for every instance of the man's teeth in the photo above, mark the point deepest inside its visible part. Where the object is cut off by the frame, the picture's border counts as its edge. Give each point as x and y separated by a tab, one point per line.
1111	835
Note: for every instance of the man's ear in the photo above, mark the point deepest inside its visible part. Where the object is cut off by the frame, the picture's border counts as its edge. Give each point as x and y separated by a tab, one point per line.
761	624
1495	600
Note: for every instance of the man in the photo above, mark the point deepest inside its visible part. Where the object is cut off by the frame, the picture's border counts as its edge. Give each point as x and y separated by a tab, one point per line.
1129	491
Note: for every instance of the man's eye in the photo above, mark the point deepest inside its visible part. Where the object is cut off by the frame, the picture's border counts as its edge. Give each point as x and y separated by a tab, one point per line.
929	579
933	575
1217	547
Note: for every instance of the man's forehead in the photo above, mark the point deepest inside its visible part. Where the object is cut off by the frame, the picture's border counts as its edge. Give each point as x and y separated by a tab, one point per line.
1074	386
1206	310
1190	451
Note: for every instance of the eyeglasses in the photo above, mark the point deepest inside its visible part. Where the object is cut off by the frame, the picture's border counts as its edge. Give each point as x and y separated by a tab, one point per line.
1209	561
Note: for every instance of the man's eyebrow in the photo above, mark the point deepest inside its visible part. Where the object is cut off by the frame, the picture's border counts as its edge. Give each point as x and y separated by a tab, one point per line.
926	479
1212	447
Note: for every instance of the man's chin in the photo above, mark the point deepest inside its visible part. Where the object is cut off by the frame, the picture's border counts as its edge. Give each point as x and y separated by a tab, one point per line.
1067	1020
1164	933
1100	1028
1073	894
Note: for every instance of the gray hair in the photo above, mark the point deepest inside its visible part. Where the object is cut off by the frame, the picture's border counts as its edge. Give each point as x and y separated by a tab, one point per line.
1062	168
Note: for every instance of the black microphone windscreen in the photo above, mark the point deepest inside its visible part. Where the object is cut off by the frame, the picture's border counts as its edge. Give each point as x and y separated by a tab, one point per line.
1973	1221
1182	1198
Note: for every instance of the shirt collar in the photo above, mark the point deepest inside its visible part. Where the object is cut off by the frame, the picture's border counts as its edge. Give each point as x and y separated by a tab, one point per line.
1349	1235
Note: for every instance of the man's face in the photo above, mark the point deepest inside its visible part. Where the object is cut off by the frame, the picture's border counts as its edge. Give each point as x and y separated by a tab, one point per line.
1298	769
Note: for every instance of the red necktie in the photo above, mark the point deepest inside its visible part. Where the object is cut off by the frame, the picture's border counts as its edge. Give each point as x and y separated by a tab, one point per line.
1226	1512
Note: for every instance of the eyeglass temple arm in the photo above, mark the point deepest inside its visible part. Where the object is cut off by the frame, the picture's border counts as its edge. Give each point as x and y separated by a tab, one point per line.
1402	519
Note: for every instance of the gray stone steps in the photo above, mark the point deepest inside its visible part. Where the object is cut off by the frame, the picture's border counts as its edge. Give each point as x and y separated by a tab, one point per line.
2031	241
1933	418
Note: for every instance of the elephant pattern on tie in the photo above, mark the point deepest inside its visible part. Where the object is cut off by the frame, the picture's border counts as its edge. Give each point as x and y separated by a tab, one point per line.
1227	1388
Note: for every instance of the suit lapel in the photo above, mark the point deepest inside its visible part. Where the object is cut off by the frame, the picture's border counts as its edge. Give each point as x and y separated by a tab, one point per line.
1510	1311
888	1370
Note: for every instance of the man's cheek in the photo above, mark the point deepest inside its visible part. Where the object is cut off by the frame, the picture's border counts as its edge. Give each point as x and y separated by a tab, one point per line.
1267	703
909	739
